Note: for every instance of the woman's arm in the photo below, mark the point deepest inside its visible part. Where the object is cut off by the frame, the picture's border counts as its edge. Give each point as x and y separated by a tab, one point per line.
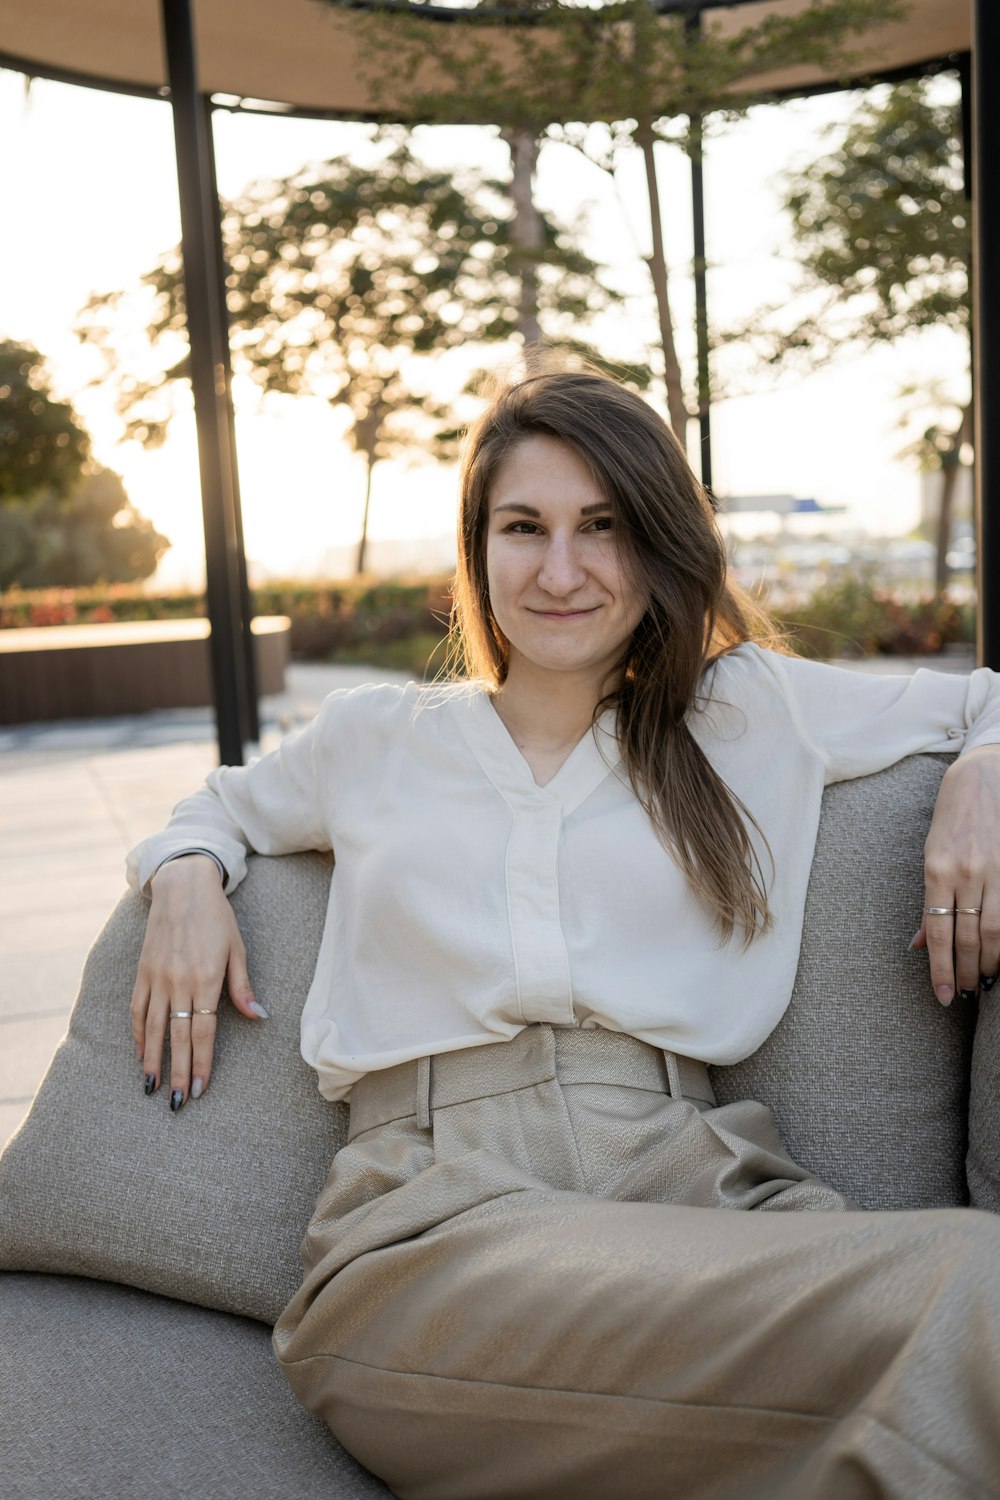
858	723
193	943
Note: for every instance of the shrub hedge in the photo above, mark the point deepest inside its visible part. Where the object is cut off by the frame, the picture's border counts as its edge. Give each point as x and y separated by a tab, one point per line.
853	616
402	622
329	621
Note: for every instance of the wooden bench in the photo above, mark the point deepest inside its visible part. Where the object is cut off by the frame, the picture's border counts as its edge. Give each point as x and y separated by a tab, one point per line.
128	667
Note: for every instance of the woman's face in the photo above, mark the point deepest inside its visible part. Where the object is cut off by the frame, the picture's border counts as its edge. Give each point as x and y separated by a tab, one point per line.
558	587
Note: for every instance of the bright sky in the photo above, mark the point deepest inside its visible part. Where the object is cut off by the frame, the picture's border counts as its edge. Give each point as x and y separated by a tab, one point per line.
88	189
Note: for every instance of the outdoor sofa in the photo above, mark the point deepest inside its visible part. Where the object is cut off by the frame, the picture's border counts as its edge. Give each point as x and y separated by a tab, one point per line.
148	1253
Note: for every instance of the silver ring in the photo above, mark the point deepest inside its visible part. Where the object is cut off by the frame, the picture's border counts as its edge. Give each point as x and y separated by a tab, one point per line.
940	911
968	911
181	1015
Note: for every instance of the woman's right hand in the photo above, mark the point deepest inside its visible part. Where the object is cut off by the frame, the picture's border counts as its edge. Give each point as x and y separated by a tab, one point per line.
192	944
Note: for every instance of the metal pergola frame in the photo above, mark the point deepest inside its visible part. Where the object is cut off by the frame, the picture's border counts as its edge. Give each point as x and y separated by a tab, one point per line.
228	597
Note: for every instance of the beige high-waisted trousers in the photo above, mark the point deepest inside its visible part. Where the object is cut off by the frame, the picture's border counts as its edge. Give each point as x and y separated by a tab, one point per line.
522	1284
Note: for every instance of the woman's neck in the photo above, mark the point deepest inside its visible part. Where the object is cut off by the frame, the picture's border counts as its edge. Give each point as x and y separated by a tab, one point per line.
547	712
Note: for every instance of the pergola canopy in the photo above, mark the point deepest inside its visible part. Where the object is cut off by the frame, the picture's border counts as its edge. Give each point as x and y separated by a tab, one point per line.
300	55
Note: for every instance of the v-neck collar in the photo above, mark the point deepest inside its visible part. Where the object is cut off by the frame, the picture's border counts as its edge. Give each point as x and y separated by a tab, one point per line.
592	758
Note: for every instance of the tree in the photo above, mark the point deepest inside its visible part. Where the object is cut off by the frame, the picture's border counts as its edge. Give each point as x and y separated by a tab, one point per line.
349	283
63	518
92	534
622	64
881	232
42	445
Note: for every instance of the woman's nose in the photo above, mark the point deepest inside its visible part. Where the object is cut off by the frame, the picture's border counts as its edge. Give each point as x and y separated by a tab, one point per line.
562	569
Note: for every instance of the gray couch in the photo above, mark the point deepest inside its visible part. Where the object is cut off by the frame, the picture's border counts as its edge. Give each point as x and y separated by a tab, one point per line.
146	1254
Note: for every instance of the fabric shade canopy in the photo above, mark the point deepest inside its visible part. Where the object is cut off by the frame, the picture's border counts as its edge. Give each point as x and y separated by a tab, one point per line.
301	55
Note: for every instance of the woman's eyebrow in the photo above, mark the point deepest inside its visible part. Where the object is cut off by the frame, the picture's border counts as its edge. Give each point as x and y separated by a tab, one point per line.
602	507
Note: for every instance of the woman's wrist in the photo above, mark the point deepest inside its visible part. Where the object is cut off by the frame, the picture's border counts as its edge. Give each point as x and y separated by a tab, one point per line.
191	866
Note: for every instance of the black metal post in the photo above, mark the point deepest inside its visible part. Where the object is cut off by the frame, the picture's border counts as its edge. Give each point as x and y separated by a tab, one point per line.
701	304
986	324
206	330
692	25
213	220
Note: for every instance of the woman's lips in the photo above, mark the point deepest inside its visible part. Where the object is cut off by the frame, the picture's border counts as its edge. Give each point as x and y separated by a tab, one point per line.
563	614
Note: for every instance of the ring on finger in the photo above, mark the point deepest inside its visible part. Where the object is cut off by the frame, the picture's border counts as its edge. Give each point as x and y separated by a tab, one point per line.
205	1012
181	1015
940	911
968	911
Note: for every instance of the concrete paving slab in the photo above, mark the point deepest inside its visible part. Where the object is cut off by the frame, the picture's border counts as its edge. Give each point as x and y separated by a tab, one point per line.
59	897
26	1049
11	1116
38	984
36	861
49	931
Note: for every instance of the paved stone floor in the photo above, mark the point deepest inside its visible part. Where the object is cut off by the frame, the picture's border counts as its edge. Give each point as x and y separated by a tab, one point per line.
74	797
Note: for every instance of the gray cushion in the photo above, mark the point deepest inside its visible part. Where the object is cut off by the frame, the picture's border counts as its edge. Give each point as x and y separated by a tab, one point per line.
110	1392
867	1074
207	1205
984	1108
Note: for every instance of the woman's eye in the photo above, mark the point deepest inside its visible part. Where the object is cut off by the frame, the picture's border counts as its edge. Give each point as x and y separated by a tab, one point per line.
603	523
522	528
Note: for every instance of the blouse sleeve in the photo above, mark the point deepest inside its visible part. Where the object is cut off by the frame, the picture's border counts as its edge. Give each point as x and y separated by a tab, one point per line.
274	805
861	722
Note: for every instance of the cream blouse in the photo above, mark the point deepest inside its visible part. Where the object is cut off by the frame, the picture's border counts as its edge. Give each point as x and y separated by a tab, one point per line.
467	901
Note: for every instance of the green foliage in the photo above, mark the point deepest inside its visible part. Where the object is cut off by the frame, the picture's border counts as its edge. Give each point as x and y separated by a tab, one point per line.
556	63
854	616
91	534
881	230
30	609
346	281
345	622
42	445
391	622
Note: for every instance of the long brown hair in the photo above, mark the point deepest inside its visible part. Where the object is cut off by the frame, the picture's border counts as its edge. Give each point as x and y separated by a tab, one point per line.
674	550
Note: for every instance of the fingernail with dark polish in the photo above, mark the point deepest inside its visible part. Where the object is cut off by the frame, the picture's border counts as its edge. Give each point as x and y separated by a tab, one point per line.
150	1083
176	1100
967	994
987	981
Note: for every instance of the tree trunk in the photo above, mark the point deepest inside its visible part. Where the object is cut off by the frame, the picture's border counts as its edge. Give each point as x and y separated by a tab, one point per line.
359	567
950	468
657	263
528	230
366	431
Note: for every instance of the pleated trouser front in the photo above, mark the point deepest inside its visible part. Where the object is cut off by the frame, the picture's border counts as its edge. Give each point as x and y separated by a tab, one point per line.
525	1280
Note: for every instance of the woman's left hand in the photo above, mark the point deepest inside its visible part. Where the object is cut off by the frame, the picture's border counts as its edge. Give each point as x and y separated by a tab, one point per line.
962	871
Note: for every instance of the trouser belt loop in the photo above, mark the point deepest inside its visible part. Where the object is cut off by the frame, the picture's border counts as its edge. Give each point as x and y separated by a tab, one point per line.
673	1075
423	1093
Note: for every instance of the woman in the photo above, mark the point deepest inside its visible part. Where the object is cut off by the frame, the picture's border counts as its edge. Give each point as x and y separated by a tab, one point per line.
560	889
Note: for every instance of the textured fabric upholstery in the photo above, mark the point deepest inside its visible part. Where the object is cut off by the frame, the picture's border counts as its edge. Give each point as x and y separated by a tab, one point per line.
984	1108
113	1393
867	1075
207	1205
